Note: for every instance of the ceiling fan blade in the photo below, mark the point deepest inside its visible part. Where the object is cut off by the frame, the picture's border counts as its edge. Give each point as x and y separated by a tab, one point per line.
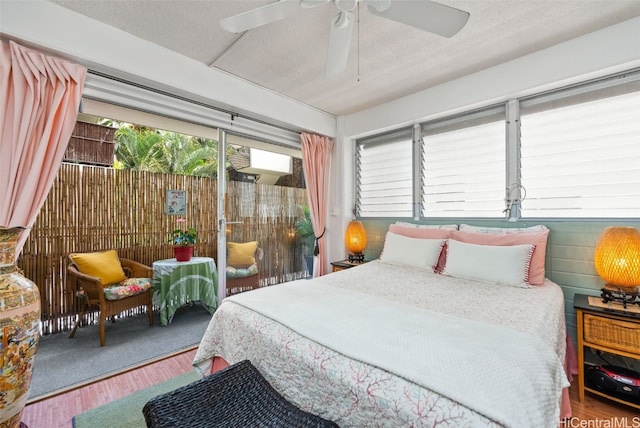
424	15
308	4
339	43
260	16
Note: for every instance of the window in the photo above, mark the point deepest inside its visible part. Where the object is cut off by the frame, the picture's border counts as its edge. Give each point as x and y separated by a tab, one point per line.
568	153
384	177
580	151
463	165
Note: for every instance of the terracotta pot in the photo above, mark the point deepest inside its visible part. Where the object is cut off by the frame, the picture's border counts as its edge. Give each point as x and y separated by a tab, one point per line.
19	321
183	254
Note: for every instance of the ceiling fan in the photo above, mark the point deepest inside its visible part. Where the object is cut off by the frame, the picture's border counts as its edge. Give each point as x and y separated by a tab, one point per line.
422	14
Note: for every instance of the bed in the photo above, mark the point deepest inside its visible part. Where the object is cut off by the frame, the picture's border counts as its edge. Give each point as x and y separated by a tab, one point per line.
403	342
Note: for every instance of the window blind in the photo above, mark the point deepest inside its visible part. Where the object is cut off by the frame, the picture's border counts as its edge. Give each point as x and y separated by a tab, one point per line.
384	180
120	93
464	165
573	153
580	151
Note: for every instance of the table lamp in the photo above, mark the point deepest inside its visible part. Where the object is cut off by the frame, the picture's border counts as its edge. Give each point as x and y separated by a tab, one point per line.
356	240
617	261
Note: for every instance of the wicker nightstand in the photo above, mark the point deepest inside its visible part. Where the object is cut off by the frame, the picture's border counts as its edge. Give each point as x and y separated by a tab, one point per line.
343	264
614	332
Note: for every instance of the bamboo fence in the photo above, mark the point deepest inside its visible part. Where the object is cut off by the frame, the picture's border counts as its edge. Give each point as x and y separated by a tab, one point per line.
91	208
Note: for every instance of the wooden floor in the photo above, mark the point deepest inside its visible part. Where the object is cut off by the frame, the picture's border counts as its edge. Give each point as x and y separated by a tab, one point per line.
57	411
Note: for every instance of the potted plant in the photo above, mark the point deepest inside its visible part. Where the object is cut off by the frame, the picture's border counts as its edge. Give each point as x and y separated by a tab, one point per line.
306	235
183	239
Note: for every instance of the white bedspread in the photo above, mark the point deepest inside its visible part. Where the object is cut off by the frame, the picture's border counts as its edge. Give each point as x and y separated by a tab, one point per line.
417	344
377	385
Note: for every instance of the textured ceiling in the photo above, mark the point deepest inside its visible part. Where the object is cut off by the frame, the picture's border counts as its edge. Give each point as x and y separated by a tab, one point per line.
387	59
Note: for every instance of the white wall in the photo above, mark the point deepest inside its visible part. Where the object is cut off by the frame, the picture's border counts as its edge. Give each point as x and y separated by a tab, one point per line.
610	50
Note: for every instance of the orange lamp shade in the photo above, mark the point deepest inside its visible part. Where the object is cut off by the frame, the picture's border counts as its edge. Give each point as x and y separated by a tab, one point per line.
617	256
356	237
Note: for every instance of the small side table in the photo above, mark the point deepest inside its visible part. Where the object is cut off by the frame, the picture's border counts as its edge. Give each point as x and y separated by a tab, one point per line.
607	330
344	264
177	283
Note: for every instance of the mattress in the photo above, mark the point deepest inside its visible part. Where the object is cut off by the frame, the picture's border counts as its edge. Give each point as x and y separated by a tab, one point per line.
354	389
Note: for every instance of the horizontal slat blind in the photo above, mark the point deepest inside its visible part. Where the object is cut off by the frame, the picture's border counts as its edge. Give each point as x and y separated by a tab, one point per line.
109	90
463	166
573	153
582	160
385	176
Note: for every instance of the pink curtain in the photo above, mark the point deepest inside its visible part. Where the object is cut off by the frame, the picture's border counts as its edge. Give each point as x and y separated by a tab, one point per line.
39	99
316	159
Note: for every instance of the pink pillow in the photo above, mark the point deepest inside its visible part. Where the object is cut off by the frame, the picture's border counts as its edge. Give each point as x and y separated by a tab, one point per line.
419	232
539	239
424	233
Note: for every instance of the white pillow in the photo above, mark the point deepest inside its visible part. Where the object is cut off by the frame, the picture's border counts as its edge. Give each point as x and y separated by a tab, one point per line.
428	226
504	264
420	253
502	230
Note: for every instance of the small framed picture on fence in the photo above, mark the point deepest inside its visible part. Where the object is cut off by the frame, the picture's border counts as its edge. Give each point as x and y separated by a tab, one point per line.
176	202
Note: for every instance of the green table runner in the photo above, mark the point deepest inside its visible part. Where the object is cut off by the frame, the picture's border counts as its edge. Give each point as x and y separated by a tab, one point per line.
178	283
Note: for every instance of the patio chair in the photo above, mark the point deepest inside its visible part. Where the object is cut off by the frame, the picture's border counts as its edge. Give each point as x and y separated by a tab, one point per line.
243	273
111	284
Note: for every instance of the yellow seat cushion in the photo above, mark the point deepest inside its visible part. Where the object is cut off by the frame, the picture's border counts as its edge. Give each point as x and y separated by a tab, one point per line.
241	254
104	265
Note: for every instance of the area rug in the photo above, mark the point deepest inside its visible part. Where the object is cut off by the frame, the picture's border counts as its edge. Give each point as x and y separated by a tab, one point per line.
127	411
62	363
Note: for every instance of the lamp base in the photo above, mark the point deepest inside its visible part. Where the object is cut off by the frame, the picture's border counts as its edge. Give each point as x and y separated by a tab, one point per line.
624	295
356	258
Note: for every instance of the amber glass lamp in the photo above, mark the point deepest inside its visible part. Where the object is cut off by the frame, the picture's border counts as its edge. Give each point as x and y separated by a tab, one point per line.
356	240
617	259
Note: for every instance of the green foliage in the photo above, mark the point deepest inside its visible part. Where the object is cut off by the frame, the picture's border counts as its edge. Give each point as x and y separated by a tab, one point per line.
184	237
305	229
146	149
136	147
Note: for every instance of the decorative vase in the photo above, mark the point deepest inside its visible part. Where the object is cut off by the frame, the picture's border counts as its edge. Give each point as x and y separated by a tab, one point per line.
19	332
183	254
